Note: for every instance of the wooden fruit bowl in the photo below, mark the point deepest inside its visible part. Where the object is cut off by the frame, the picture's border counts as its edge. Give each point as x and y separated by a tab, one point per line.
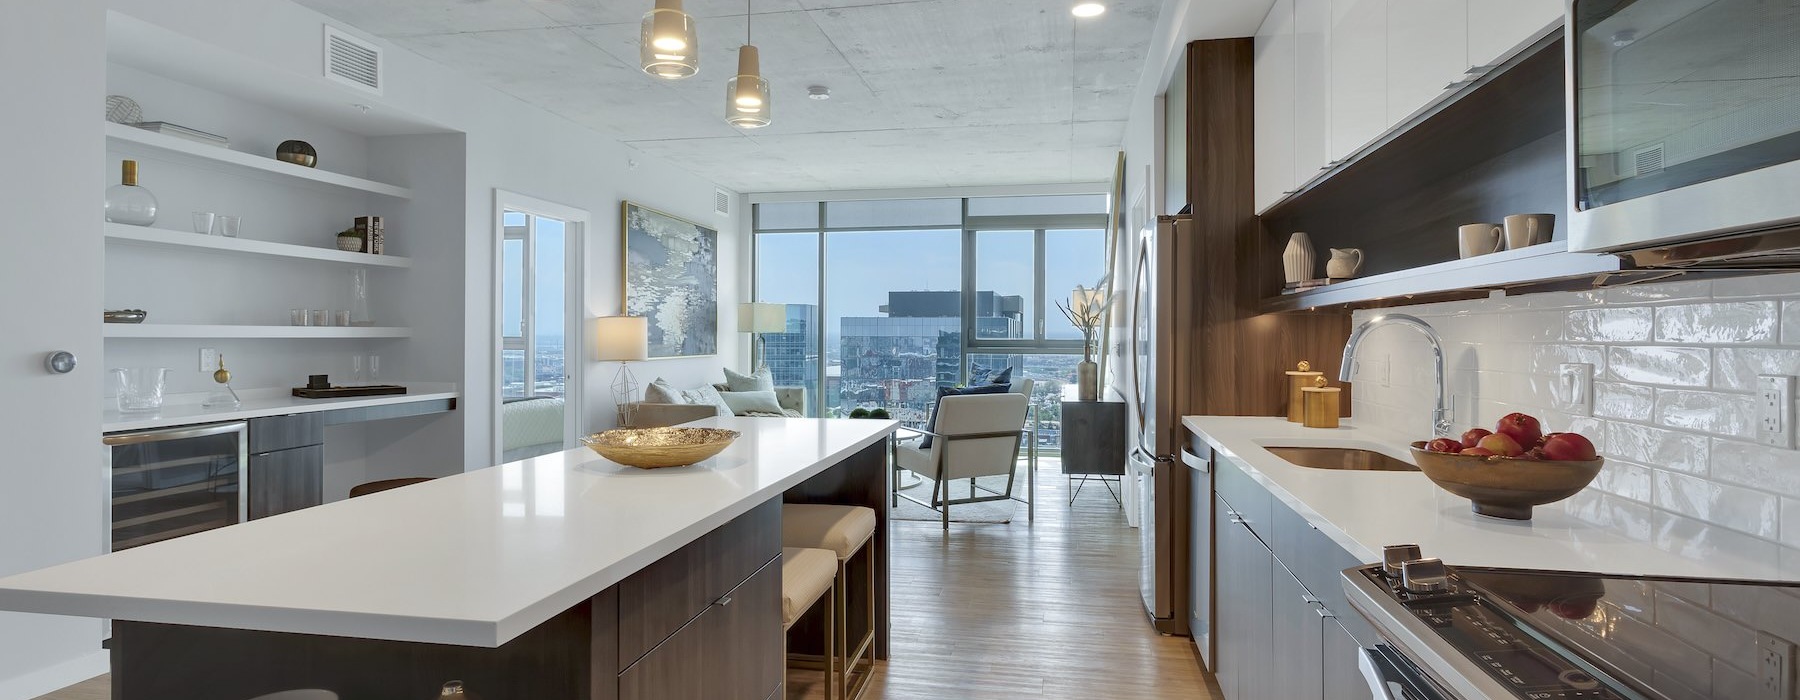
1503	487
656	448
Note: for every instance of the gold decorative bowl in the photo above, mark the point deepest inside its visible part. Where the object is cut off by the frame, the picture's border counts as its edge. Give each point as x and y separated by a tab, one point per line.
1503	487
655	448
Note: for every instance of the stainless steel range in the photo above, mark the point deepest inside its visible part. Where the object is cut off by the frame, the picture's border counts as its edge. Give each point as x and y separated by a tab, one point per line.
1466	633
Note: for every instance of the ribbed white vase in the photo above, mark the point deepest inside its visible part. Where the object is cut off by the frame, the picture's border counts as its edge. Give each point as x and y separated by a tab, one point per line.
1298	261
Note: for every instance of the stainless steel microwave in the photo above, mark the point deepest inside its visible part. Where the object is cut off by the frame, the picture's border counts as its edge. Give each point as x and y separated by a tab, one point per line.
1684	130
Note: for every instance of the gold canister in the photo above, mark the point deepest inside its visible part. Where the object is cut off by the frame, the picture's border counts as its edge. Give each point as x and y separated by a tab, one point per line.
1321	404
1300	377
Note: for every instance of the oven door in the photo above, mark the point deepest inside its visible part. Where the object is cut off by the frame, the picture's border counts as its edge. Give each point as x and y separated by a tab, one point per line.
1391	676
1684	120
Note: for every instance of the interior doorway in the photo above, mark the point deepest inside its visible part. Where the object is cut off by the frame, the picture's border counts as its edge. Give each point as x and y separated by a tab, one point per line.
537	326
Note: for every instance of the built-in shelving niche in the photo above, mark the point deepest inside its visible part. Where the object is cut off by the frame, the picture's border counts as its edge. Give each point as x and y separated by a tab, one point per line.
1496	149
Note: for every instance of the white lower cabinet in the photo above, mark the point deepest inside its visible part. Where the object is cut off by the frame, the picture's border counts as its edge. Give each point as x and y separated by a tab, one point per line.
1279	627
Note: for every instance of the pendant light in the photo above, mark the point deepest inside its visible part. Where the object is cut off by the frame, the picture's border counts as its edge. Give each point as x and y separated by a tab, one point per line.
669	47
747	95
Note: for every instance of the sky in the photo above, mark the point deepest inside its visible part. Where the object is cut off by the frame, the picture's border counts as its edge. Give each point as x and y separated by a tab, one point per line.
862	267
550	272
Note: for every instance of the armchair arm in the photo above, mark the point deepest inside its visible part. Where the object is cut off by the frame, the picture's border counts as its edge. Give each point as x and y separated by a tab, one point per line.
791	398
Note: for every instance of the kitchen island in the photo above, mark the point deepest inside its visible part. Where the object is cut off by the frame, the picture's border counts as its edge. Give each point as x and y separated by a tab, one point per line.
562	576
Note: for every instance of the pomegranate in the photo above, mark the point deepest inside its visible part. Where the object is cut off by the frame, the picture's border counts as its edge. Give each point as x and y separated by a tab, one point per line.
1474	436
1501	444
1523	429
1569	447
1444	445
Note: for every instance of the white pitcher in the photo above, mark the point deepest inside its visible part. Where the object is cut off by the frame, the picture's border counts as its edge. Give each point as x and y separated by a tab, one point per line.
1344	263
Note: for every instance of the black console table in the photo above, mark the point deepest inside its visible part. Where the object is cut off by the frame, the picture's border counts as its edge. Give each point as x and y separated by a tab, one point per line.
1093	444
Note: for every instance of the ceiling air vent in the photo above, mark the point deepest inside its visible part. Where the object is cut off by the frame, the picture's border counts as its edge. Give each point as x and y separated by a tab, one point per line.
721	202
1646	160
352	61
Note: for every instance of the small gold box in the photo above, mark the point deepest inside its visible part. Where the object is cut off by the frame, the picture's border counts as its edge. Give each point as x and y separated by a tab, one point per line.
1299	378
1321	405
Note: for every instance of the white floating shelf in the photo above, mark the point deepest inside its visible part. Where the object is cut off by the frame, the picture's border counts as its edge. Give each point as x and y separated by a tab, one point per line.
169	238
176	330
183	149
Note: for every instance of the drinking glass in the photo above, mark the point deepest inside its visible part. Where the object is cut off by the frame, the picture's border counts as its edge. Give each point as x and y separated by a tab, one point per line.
140	388
358	376
299	317
374	362
319	317
203	222
227	225
340	318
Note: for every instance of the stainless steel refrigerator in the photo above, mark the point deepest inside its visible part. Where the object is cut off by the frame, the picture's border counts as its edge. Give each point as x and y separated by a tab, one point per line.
1152	263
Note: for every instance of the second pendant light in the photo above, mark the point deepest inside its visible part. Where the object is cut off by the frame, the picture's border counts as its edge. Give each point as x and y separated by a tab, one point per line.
747	94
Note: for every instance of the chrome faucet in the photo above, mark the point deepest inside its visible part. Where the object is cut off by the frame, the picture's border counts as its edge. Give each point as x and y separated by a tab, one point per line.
1440	419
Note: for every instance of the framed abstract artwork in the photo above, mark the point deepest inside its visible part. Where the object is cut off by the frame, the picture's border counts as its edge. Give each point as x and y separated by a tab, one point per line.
671	278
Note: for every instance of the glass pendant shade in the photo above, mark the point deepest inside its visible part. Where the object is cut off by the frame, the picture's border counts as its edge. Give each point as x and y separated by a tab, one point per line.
669	47
747	95
126	202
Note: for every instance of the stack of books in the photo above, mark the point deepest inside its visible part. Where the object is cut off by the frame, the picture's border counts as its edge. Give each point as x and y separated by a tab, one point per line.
179	131
1303	285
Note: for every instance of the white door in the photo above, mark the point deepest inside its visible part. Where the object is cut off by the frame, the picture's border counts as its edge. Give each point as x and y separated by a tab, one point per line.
51	188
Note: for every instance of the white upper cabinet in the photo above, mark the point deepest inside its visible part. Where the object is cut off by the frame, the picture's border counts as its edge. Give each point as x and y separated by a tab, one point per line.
1496	27
1358	75
1312	91
1427	52
1274	66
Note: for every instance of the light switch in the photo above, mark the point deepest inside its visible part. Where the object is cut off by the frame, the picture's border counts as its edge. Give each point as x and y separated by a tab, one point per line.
1573	392
1775	410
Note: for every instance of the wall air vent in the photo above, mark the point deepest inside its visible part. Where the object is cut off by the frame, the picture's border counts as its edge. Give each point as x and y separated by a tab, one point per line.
722	202
352	61
1645	160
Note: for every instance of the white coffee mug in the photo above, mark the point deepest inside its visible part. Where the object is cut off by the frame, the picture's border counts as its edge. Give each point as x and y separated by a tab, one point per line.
1479	239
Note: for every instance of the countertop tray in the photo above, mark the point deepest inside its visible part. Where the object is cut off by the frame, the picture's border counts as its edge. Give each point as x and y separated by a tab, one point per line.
339	392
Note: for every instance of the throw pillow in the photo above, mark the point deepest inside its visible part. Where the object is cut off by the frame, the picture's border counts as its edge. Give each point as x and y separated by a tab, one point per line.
759	380
707	396
659	391
943	391
1003	377
747	402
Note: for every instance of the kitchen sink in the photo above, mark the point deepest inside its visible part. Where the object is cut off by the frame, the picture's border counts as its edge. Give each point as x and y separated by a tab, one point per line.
1346	458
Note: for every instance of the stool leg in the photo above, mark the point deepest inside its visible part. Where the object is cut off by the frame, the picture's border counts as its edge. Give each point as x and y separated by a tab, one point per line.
841	645
831	688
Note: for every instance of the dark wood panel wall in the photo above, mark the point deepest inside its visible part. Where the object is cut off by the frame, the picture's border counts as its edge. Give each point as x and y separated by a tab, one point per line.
1236	354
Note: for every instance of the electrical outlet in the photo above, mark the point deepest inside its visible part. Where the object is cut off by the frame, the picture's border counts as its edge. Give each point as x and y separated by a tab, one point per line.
1574	390
209	359
1775	410
1775	667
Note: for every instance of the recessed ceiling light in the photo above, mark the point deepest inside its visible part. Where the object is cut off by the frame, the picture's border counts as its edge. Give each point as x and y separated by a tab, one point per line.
1088	9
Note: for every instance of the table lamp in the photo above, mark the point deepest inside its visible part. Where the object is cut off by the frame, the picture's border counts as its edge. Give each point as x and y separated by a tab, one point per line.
623	339
757	318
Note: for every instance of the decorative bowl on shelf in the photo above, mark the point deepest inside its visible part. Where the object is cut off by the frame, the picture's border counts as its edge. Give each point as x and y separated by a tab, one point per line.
1504	487
655	448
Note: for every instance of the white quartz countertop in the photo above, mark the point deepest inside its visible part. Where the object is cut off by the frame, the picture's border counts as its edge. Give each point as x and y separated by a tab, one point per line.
474	559
1365	510
260	403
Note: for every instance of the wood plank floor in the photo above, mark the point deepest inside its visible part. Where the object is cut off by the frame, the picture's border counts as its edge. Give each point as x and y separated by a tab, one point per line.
1047	610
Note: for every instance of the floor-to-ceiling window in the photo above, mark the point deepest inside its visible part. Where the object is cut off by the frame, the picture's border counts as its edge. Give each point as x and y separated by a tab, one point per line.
888	300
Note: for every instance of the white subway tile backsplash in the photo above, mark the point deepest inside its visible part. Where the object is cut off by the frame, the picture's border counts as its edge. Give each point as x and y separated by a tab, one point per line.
1624	401
1732	643
1624	479
1757	466
1684	452
1790	322
1790	521
1672	366
1757	286
1615	325
1732	415
1731	322
1731	682
1740	509
1737	367
1657	292
1545	358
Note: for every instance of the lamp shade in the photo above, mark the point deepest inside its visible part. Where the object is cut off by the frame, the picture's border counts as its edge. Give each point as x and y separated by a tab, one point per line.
622	338
762	318
1085	301
669	47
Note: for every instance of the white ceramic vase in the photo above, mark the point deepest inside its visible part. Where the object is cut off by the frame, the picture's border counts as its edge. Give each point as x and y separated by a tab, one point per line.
1298	261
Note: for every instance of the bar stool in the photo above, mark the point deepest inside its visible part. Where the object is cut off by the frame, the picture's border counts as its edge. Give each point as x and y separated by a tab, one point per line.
384	485
807	577
845	531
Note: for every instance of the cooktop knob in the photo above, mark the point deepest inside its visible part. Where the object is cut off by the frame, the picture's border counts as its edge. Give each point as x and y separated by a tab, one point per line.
1425	576
1393	555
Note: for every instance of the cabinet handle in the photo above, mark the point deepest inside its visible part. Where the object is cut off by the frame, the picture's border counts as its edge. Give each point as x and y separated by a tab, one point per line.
1309	600
724	601
1457	84
1240	521
1325	613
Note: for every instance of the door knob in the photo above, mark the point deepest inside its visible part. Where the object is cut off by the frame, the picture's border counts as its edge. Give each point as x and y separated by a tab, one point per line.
60	362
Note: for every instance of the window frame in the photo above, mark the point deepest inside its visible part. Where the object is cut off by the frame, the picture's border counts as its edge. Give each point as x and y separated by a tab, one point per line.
576	224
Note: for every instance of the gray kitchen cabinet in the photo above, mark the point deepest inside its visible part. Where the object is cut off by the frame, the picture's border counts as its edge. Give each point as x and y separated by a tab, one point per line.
1283	629
286	480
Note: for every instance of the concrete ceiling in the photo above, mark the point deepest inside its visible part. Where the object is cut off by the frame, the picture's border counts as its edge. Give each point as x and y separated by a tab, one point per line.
923	92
